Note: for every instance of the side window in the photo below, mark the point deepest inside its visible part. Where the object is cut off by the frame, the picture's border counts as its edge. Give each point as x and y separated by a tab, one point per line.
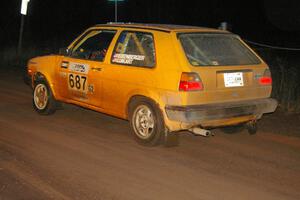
134	48
94	45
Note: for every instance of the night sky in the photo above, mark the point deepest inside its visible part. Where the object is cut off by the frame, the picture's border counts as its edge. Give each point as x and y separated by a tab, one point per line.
59	21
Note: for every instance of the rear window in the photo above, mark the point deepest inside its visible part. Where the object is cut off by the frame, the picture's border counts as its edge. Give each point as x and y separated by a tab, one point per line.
216	50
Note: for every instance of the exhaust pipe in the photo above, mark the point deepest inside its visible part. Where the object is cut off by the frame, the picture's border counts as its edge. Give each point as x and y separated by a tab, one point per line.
200	131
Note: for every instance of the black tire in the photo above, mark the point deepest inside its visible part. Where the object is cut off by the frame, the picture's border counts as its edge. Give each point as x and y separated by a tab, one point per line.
252	128
50	105
135	113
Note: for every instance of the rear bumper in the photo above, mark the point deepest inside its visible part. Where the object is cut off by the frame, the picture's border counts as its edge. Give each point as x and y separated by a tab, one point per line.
217	111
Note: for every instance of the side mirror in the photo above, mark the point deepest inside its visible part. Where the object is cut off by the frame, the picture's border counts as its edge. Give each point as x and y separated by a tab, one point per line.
64	51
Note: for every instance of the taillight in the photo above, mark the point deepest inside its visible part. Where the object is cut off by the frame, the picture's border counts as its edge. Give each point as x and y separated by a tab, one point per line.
190	81
266	79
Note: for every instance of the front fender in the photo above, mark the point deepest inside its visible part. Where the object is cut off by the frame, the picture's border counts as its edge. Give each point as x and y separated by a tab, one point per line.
45	67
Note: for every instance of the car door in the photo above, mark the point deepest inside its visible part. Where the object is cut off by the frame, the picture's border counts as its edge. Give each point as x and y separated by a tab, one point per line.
80	71
131	70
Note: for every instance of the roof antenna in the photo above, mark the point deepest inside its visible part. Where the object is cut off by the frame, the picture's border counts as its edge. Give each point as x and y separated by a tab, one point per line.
225	26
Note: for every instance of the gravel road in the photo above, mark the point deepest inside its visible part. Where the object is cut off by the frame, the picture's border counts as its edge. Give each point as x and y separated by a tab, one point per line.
81	154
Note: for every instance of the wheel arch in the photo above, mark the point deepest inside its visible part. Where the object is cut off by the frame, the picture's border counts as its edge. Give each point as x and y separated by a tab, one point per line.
141	97
39	76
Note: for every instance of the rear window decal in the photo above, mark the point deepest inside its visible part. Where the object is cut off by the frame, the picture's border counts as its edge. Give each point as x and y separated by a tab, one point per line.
127	58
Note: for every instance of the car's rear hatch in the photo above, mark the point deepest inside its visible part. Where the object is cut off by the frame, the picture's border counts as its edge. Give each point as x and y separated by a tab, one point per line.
228	69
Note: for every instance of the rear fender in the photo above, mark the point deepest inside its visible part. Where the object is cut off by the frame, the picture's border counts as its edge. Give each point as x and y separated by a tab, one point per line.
160	102
146	94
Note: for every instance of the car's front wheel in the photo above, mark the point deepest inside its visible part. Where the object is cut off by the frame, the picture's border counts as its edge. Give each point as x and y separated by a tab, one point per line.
43	100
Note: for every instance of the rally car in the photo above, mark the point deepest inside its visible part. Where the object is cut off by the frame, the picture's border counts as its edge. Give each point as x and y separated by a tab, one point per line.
161	78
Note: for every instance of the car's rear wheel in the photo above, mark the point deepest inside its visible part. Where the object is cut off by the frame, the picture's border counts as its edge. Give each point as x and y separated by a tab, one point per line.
146	122
43	100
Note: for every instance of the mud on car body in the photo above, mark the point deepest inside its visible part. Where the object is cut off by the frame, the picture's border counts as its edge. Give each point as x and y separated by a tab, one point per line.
162	78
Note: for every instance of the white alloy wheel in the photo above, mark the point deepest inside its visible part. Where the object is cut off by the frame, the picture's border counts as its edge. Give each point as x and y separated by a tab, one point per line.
40	96
143	122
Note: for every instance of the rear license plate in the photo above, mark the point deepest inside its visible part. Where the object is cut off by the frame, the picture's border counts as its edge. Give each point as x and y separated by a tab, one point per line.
234	79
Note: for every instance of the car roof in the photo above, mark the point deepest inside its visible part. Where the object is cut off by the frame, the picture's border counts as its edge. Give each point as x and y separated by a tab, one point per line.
162	27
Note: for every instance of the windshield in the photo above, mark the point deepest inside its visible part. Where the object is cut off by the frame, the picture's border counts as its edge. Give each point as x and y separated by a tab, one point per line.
216	50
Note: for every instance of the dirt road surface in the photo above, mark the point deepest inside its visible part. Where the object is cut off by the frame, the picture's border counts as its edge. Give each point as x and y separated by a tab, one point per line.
80	154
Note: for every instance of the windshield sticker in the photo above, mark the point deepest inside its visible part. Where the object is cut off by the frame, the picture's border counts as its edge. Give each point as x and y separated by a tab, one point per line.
127	58
78	67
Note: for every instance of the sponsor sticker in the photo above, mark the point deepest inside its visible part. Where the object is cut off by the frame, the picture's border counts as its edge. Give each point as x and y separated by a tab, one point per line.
79	67
126	58
64	64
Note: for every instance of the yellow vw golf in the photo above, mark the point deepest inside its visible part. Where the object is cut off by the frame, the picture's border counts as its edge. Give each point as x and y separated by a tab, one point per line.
162	78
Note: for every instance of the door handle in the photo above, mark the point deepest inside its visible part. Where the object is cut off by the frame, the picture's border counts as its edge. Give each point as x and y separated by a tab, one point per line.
96	69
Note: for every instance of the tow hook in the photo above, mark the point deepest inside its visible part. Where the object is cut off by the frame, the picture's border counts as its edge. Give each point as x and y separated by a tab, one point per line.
200	131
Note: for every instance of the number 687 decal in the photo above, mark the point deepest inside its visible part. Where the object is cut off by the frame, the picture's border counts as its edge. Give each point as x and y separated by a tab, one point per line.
77	82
